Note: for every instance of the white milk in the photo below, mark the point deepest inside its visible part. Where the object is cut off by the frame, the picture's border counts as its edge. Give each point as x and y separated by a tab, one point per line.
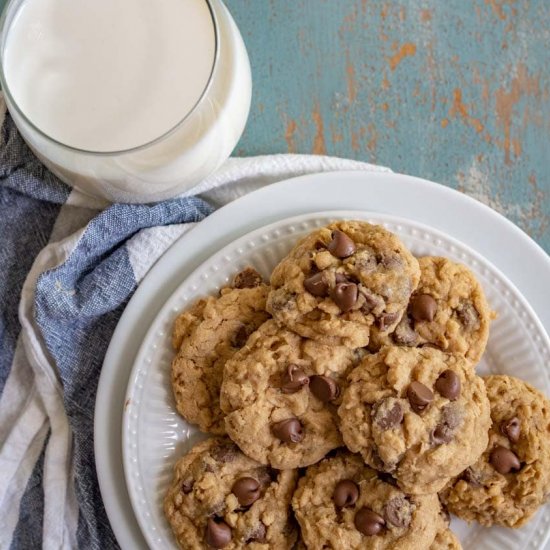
110	76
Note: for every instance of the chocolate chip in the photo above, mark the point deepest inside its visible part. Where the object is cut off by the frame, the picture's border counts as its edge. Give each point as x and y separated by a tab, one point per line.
257	534
247	490
241	336
341	245
419	396
388	413
368	522
324	388
218	533
372	301
448	384
468	316
288	431
316	285
294	379
404	334
397	511
511	429
187	486
504	460
247	278
225	452
341	278
450	420
386	320
469	476
423	307
345	493
345	295
390	261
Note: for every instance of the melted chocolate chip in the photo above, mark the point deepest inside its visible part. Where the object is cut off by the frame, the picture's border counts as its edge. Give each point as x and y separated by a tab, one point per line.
247	490
511	429
368	522
345	493
225	452
388	413
187	486
218	533
341	245
469	476
247	278
397	511
324	388
386	320
419	396
504	461
316	285
450	420
288	431
404	334
468	316
448	385
241	336
423	307
344	295
294	379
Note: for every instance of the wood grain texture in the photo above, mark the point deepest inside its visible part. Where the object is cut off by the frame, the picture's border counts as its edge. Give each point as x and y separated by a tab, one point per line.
456	91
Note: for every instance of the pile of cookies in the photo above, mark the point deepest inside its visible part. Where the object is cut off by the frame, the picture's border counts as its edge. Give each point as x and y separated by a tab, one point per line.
344	407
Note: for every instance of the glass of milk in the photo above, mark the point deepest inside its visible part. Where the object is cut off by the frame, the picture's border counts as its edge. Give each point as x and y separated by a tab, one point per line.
129	100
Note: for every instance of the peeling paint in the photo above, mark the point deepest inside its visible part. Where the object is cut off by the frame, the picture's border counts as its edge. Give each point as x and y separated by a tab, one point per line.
319	146
406	50
458	108
289	136
350	75
522	84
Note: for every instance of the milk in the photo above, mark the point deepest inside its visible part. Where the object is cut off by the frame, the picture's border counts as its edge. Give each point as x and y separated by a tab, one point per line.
108	75
131	100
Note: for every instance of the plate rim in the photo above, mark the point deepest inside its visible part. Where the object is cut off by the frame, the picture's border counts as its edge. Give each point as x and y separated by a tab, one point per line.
166	309
122	348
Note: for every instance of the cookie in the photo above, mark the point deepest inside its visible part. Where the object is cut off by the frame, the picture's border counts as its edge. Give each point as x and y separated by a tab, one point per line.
420	414
448	310
206	336
342	281
446	540
512	477
342	503
280	393
219	498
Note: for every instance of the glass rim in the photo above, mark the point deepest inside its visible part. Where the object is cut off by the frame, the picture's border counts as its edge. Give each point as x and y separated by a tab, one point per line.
5	89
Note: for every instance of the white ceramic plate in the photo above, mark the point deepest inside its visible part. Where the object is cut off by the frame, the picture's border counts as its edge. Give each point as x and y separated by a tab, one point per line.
475	224
154	436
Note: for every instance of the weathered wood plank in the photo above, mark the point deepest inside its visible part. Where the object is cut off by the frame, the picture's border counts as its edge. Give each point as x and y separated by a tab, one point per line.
455	91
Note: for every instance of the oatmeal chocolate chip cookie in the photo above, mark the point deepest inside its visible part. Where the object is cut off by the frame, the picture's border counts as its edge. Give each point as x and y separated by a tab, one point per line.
420	414
206	336
280	394
342	503
448	310
219	498
341	282
512	477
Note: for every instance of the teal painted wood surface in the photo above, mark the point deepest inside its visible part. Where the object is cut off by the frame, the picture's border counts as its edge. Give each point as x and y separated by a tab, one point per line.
456	91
